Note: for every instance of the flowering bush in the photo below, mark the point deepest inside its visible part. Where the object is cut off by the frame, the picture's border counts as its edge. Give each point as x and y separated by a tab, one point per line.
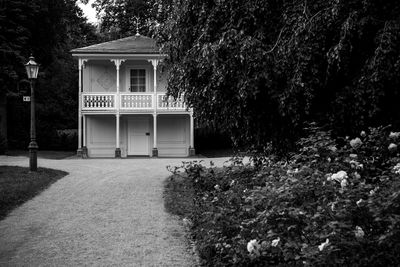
331	203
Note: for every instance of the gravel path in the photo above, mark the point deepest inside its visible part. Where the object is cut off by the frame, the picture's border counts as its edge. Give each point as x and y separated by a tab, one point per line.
106	212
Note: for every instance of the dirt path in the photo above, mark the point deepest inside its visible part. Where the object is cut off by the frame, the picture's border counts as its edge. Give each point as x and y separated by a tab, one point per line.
105	212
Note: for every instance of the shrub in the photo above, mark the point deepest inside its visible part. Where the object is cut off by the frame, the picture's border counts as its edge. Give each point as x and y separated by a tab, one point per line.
334	202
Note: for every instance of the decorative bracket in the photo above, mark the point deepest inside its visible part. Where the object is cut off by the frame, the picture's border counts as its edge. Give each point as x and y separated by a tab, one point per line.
82	62
154	62
117	61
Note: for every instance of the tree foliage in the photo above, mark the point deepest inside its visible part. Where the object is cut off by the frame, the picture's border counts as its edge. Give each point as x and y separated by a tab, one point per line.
119	18
261	69
48	30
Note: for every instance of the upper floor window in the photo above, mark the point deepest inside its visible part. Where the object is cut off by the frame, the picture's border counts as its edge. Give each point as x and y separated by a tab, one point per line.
138	80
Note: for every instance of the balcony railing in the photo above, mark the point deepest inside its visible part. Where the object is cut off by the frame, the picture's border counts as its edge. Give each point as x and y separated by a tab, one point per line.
169	103
98	101
131	102
137	101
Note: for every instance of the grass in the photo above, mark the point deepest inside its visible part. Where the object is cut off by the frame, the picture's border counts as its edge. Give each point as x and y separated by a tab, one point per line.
45	154
178	196
18	185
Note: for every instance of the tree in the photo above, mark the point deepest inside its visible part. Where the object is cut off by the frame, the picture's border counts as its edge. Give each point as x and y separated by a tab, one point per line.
262	69
48	30
119	18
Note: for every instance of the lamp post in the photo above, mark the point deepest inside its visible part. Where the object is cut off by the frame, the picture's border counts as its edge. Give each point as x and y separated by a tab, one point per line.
32	69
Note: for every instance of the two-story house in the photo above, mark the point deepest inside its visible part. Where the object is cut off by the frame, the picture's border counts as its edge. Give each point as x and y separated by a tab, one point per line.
123	110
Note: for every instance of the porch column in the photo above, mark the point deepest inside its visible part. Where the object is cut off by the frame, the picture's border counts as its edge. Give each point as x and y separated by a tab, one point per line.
192	151
81	65
155	150
154	62
117	63
84	148
117	144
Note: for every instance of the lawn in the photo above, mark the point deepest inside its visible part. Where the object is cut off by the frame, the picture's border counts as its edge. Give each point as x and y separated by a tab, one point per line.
18	185
46	154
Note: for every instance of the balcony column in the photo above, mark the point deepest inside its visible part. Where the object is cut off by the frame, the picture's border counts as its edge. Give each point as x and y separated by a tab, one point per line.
117	143
192	151
84	148
154	62
117	63
81	65
155	150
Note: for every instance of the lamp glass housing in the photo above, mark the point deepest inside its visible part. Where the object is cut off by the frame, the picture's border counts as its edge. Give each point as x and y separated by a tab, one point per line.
32	68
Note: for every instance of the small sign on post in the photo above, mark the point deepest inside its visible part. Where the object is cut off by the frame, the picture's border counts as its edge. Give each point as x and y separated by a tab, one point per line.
27	99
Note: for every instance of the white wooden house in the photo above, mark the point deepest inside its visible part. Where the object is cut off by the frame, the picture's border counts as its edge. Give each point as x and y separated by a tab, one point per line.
123	110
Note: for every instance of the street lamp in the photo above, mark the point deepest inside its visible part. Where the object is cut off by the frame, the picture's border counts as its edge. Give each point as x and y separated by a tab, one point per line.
32	69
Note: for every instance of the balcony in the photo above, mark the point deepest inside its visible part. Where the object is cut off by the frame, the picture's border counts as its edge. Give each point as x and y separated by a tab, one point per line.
131	102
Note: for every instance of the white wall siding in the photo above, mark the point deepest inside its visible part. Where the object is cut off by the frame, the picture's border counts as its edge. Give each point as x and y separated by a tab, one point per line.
101	136
162	79
100	76
173	135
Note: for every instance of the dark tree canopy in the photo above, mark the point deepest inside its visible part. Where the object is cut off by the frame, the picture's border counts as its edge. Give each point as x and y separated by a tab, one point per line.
261	69
119	18
48	30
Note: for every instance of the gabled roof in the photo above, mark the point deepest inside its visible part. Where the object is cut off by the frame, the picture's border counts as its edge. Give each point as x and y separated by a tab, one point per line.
137	44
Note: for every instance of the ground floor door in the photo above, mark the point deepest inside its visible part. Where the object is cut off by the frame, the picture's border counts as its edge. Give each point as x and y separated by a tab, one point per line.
139	137
173	135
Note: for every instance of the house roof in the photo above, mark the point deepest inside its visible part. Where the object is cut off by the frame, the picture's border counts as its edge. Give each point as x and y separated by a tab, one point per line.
137	44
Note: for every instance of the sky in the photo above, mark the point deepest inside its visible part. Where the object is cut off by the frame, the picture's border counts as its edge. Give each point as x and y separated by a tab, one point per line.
88	11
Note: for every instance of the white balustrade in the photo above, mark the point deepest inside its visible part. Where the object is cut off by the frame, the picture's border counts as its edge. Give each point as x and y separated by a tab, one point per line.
137	101
98	101
169	103
131	101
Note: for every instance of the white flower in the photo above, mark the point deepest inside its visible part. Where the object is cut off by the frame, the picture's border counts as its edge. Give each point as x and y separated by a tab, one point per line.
392	147
232	183
372	192
333	206
290	171
344	183
355	164
357	175
275	242
359	202
339	176
187	222
323	245
363	134
253	246
394	135
359	233
396	169
353	156
355	143
332	148
216	187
